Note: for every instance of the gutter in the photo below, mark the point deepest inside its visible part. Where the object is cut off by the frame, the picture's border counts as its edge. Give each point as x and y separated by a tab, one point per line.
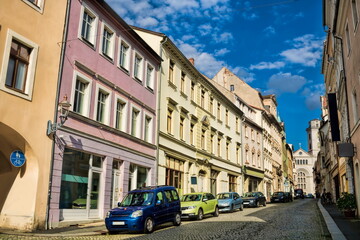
61	65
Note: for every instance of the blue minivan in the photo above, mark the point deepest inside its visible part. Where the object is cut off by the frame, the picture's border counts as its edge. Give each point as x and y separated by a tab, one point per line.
144	208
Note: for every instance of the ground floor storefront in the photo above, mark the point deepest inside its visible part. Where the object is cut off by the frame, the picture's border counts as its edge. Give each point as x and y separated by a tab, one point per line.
91	176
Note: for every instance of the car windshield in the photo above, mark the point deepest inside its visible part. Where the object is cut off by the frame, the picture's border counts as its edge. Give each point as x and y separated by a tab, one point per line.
137	199
250	194
299	191
278	193
223	196
191	198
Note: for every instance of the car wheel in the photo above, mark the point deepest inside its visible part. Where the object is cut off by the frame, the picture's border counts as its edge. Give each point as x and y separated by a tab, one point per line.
242	207
264	203
200	215
177	219
257	204
216	213
111	232
149	225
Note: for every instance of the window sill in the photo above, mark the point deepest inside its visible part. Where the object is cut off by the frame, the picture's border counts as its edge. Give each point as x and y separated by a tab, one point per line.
138	80
111	60
172	85
88	43
124	70
34	6
183	95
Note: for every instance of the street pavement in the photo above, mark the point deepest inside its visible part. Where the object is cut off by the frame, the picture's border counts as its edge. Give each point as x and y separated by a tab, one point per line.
301	219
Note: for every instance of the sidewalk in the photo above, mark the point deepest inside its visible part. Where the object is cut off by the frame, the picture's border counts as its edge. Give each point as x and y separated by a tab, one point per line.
339	226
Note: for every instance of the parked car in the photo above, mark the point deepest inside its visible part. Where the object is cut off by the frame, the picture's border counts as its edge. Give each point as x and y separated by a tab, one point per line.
254	199
289	196
279	197
196	205
229	201
309	195
299	193
144	208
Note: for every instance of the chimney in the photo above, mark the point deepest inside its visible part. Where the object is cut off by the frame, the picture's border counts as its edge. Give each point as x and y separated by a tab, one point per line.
192	60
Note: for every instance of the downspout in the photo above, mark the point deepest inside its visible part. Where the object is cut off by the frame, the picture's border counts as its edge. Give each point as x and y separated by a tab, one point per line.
158	115
62	57
350	159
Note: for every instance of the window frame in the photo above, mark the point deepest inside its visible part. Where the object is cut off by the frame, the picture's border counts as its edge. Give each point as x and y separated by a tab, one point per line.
92	39
31	69
124	115
37	5
126	66
140	70
100	88
150	81
137	128
150	128
111	47
87	95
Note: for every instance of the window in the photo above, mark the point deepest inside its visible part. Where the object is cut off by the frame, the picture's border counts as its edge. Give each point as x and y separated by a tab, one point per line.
219	111
174	173
108	40
171	71
355	107
102	107
212	105
169	120
354	13
138	67
19	61
246	132
134	122
120	115
212	143
247	156
149	77
181	129
88	26
227	117
35	4
182	84
232	183
81	94
124	56
227	150
232	88
348	39
202	102
193	91
219	147
192	125
203	132
148	129
138	177
238	153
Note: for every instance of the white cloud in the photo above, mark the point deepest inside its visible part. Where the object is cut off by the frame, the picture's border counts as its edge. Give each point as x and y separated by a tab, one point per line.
270	30
243	73
224	37
285	82
268	65
306	50
211	3
221	52
148	22
312	96
205	29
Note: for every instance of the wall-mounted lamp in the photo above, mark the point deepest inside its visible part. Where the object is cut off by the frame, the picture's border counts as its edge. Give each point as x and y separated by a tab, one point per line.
63	109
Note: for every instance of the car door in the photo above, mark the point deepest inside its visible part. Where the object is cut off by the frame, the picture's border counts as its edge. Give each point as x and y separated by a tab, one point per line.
211	202
237	200
173	203
160	209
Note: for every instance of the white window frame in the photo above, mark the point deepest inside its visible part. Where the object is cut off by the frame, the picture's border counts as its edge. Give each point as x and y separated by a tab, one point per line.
30	76
138	121
87	97
38	6
105	26
141	67
124	114
108	103
151	127
150	82
93	36
128	55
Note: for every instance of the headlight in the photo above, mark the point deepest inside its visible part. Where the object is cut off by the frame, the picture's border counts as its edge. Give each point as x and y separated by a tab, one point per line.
137	213
191	207
108	214
251	201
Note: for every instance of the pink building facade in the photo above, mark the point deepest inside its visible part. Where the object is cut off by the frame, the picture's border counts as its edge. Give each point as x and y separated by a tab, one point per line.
108	144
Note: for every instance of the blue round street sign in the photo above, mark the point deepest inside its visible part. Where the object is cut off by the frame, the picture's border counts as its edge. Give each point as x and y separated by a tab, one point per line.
17	158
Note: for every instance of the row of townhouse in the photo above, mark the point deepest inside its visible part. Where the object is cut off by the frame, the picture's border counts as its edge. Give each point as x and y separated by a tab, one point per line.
337	168
97	108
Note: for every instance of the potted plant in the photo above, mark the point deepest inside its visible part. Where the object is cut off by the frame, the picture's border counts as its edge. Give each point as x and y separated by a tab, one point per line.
347	204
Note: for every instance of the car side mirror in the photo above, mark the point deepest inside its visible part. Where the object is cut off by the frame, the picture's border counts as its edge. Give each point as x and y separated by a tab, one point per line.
119	204
158	202
205	199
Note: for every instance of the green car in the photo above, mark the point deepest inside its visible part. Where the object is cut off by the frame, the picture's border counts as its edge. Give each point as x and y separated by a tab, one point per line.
196	205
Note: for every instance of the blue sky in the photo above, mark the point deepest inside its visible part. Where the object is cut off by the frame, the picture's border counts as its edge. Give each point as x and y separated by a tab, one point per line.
273	45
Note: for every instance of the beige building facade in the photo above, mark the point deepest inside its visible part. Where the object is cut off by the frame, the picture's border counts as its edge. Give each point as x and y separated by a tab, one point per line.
29	63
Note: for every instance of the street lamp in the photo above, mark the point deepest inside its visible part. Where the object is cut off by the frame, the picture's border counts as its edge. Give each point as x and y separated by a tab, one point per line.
63	109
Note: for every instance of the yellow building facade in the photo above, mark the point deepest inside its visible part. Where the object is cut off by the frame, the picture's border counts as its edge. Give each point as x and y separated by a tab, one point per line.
31	35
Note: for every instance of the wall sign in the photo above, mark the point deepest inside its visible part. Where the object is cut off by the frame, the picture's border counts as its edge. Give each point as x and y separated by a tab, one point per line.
17	158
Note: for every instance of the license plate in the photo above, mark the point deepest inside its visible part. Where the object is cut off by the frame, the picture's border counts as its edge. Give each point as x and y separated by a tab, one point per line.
276	200
118	223
246	203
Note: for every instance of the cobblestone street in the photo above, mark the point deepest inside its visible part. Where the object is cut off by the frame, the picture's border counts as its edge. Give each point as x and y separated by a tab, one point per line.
275	221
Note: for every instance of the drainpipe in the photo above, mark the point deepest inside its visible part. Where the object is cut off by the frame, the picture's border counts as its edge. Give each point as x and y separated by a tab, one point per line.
348	139
62	57
158	115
